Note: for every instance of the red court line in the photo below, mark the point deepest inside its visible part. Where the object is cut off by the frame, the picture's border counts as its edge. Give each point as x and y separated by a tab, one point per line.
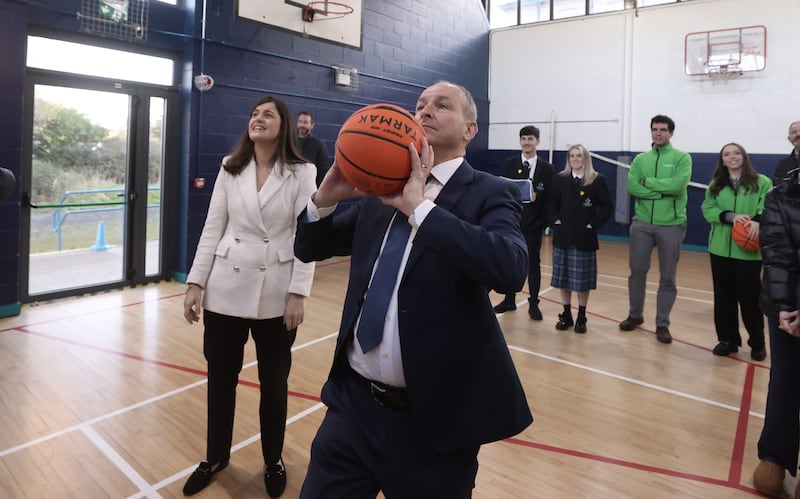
154	362
83	314
737	459
166	297
24	329
739	443
515	441
630	464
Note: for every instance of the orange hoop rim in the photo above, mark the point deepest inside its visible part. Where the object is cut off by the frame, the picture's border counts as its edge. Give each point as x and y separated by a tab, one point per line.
346	9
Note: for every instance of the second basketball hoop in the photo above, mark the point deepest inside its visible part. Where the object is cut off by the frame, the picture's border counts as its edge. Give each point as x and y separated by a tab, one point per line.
329	11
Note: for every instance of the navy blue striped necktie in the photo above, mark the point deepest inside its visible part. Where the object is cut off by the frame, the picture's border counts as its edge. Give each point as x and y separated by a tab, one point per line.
373	310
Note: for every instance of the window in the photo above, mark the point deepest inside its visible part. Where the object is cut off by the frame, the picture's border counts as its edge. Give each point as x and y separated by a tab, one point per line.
69	57
504	13
599	6
568	8
646	3
534	11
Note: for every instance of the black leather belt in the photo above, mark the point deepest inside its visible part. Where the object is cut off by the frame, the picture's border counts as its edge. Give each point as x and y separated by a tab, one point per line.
388	396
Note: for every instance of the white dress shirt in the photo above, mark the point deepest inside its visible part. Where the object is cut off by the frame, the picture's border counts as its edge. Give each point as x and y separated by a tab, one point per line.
384	363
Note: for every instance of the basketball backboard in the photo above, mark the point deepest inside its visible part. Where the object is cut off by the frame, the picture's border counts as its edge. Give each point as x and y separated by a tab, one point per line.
733	50
327	23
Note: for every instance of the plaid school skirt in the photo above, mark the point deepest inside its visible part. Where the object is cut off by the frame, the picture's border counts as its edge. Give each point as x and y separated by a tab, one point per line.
573	269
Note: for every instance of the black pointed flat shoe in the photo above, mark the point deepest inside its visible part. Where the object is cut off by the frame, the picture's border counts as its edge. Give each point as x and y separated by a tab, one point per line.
201	477
275	479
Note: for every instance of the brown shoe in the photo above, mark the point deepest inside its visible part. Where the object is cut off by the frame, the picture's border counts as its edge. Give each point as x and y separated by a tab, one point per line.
630	323
768	478
662	334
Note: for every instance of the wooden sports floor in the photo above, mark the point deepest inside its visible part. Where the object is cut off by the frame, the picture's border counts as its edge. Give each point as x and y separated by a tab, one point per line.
104	396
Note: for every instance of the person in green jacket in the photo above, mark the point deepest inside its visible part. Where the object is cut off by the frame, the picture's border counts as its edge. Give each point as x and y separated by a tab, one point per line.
658	179
736	193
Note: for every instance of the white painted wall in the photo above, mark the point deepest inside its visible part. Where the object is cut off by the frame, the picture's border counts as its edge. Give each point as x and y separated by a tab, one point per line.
601	78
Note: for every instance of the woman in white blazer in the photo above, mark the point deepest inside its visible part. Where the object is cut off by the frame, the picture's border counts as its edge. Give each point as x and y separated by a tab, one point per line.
248	281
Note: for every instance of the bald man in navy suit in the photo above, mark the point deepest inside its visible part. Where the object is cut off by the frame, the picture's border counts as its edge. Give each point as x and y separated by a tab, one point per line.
408	416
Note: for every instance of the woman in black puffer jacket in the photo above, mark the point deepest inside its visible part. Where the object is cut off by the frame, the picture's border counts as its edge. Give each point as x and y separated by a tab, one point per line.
780	248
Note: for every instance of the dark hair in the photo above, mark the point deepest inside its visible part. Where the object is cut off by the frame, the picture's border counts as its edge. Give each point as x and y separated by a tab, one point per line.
306	113
287	152
529	130
722	177
7	182
660	118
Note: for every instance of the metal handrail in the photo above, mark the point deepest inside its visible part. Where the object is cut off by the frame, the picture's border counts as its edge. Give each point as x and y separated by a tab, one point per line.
60	216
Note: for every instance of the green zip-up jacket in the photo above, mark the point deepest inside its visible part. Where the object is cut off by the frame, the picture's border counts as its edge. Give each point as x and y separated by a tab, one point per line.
658	179
740	202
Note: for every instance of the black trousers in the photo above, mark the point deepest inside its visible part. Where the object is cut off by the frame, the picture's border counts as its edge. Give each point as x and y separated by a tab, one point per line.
362	447
737	284
533	240
223	347
780	437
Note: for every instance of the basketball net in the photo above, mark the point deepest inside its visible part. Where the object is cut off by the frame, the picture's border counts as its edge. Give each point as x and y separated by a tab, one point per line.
721	75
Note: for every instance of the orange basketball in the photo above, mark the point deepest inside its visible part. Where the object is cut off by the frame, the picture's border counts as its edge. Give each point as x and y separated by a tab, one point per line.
372	148
740	236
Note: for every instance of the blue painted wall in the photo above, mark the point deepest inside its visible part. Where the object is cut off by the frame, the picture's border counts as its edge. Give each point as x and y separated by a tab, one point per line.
406	46
12	34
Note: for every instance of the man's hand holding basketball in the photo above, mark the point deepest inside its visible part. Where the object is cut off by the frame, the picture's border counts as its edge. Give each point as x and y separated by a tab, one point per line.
334	188
414	191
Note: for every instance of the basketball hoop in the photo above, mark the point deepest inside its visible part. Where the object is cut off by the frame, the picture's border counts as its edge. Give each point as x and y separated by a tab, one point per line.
724	53
332	10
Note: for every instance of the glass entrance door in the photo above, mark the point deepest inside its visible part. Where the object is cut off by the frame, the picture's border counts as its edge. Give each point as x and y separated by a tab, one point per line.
79	171
93	167
95	192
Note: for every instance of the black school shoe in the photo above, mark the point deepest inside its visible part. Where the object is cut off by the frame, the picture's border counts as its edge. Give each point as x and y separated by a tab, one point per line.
201	477
724	348
533	310
275	479
505	306
564	322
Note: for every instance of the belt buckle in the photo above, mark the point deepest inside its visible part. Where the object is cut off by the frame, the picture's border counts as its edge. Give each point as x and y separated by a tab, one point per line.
377	393
386	398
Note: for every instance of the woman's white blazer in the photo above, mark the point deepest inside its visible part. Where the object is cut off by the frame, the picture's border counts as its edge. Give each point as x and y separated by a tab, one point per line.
245	256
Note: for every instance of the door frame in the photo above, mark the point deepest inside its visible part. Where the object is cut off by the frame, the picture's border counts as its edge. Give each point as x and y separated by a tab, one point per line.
134	272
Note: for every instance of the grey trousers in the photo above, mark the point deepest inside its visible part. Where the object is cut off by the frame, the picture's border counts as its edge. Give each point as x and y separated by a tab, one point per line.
667	239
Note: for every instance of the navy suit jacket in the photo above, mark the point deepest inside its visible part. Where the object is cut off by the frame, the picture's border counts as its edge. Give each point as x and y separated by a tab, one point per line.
534	215
462	384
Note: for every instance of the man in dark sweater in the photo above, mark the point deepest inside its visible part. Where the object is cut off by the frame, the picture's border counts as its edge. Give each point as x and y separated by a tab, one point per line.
311	147
791	161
